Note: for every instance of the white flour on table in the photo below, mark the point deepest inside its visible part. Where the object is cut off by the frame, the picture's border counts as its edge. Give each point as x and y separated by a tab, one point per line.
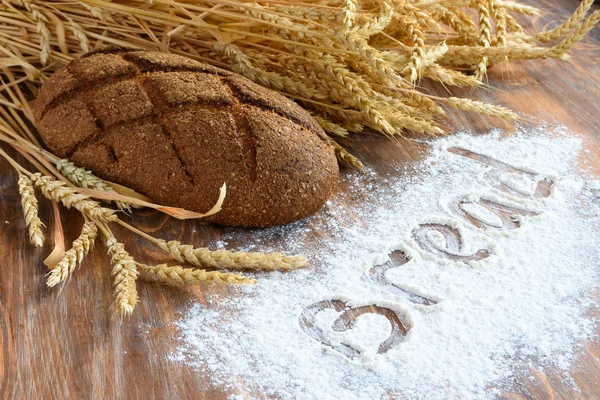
509	292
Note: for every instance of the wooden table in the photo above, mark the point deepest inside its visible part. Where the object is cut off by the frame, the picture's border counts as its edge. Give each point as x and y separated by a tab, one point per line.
66	344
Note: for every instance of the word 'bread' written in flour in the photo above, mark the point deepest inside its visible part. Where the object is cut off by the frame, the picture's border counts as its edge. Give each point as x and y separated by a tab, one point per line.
493	176
445	241
490	214
346	321
376	275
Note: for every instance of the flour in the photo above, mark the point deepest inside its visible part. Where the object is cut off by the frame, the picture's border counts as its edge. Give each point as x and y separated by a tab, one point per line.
519	182
478	297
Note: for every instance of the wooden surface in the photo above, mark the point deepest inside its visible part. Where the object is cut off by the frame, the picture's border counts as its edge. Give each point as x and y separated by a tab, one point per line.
65	344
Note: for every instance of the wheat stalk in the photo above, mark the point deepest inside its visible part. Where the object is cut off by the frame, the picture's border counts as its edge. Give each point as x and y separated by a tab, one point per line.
415	65
41	27
74	256
345	157
30	211
571	23
231	260
178	274
125	273
485	34
348	14
59	191
81	177
479	107
331	127
561	48
518	7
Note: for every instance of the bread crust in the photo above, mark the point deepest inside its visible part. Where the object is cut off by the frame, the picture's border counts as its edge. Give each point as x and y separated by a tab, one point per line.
175	130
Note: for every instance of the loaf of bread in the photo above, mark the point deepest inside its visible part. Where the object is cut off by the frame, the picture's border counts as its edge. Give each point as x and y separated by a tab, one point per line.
175	130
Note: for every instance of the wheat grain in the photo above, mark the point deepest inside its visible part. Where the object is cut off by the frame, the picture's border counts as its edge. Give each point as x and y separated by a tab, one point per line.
460	23
30	211
367	44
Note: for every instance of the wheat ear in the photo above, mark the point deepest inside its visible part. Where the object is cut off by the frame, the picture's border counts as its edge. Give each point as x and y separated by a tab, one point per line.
575	36
566	27
518	7
348	14
345	158
81	177
30	211
74	256
41	22
479	107
331	127
193	276
126	273
57	190
415	64
230	259
485	34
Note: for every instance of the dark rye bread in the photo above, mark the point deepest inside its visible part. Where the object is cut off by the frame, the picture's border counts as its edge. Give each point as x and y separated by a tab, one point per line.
175	130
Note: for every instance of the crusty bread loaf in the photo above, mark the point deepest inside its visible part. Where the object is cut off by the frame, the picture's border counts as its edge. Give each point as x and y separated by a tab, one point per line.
175	130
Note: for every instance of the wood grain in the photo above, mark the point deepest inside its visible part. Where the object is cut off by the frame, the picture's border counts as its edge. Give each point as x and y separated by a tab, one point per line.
57	344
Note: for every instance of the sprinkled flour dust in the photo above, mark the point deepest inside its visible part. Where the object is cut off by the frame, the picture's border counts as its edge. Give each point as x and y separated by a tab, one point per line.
480	258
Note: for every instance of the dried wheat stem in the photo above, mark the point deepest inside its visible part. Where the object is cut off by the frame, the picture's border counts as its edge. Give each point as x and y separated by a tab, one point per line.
126	273
57	190
229	259
193	276
74	256
30	211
